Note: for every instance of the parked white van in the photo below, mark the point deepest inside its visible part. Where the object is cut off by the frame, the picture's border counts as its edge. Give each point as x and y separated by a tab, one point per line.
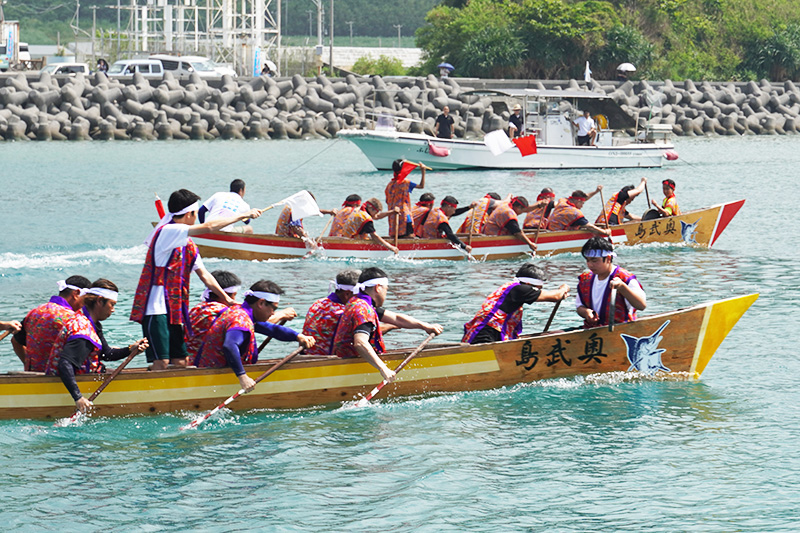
149	68
66	68
183	66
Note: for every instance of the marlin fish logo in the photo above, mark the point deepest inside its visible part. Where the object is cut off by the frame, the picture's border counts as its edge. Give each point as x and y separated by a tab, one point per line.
644	354
688	231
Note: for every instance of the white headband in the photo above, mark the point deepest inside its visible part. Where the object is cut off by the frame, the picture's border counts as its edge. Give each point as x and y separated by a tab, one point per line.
62	285
268	296
333	286
530	281
599	253
371	283
103	293
230	290
168	217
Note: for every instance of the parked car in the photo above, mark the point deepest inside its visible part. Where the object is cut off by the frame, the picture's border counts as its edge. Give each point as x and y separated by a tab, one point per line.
183	66
149	68
66	68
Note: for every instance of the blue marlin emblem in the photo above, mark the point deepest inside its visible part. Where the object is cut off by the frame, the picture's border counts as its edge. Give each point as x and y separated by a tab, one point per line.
644	354
688	231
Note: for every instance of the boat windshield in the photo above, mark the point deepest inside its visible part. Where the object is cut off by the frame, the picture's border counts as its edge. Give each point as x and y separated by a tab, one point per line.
384	123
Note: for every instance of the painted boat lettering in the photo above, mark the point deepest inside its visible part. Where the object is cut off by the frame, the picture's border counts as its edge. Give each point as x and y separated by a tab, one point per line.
620	153
592	352
658	227
644	353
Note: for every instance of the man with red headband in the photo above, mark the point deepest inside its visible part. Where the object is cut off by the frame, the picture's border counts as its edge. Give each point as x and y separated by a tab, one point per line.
398	194
504	220
359	331
360	225
323	316
538	212
615	208
437	225
567	214
594	287
419	213
351	203
669	206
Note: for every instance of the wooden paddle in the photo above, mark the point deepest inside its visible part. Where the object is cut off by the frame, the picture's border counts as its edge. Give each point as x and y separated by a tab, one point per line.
539	227
266	341
552	315
396	228
471	225
324	229
365	400
197	421
612	307
102	386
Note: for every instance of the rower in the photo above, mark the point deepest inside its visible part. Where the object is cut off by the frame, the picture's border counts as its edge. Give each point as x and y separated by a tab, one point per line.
477	217
203	314
419	213
504	221
500	316
360	224
162	295
567	214
398	194
288	227
323	315
351	203
231	340
359	331
81	346
669	206
226	205
537	217
615	210
437	224
41	326
595	287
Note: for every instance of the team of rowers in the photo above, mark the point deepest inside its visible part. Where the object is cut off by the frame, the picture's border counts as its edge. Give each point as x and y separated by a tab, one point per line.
65	337
489	215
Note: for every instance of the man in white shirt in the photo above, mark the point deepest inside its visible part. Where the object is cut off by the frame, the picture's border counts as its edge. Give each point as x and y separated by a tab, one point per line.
586	129
593	297
161	303
227	205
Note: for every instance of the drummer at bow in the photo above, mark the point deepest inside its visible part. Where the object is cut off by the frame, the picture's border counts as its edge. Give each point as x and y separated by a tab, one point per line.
595	287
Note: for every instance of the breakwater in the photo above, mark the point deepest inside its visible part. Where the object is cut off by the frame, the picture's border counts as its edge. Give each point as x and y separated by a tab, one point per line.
41	107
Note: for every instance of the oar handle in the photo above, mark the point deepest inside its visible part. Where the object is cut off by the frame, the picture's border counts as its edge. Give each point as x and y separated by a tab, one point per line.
552	316
279	364
612	308
266	341
324	229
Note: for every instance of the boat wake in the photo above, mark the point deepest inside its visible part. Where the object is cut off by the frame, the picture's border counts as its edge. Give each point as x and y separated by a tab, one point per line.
38	260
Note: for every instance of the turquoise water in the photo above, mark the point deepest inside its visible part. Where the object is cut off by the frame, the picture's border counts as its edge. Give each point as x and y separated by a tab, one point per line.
607	453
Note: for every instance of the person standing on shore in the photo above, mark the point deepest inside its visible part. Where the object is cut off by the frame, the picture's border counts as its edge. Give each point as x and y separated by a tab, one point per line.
443	128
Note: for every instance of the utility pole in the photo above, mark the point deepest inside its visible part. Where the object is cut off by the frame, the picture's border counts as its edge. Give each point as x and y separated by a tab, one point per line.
119	16
309	11
350	23
399	42
94	32
331	54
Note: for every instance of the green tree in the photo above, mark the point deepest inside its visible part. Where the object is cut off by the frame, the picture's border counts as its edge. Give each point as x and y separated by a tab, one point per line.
383	66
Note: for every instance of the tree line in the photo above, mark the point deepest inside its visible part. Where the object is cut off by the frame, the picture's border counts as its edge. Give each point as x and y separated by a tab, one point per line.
664	39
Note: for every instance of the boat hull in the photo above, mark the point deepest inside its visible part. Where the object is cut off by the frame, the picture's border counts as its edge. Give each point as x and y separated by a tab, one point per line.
382	148
688	338
701	227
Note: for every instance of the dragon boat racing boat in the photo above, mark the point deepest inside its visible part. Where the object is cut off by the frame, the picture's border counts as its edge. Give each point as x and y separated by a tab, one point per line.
674	345
546	114
700	227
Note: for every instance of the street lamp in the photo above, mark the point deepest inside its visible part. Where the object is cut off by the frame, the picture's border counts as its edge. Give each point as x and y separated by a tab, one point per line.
350	23
399	42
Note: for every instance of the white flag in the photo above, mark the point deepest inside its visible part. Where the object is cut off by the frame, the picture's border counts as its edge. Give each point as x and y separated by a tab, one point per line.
587	74
302	205
497	141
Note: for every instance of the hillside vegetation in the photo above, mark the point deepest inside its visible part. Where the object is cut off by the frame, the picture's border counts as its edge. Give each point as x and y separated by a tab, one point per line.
665	39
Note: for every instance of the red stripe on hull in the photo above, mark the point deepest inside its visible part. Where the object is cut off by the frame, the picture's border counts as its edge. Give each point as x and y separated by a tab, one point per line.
727	213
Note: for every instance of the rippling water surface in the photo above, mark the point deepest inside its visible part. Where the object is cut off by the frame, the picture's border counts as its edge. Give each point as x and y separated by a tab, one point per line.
606	452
